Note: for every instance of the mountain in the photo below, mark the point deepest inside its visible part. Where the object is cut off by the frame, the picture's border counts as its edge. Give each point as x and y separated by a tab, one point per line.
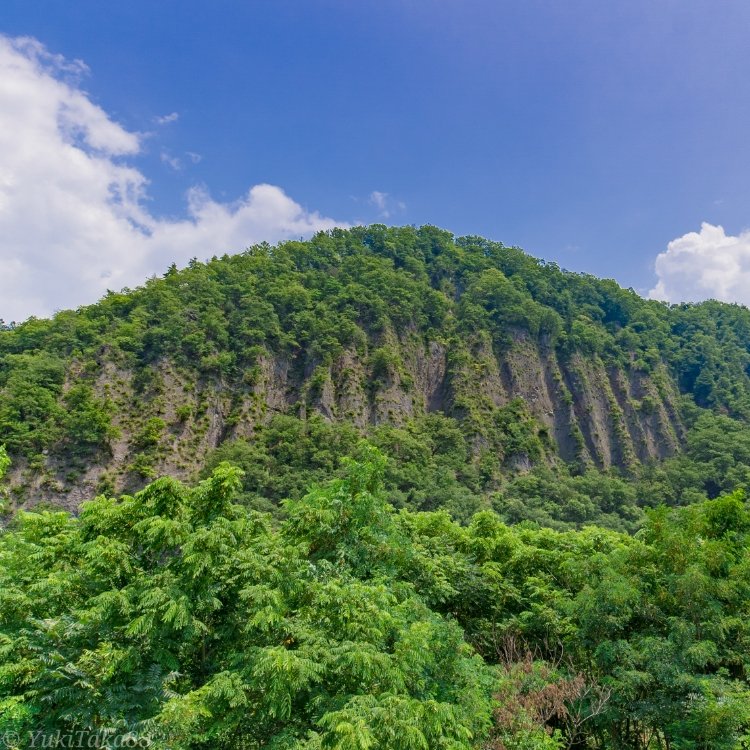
322	383
489	378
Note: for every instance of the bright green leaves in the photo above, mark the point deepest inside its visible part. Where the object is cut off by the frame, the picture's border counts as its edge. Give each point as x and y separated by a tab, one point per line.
394	722
4	461
213	497
348	522
178	614
283	674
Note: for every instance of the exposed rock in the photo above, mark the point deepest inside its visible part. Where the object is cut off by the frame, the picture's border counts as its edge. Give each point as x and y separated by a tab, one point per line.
592	414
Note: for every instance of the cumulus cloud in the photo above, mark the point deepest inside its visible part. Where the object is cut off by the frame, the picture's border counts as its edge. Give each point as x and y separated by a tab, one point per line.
74	218
705	265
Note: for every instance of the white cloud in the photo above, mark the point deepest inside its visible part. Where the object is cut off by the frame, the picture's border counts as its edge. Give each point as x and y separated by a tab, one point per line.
170	161
73	214
166	119
705	265
385	204
378	199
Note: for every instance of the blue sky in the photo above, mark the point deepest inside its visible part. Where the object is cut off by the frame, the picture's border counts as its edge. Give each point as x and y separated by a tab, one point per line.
589	133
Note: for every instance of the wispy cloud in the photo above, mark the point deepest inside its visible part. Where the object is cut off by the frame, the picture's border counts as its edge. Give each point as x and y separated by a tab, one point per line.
385	204
170	161
166	119
74	216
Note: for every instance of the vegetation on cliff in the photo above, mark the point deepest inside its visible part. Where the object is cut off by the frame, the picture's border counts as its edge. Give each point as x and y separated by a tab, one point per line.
490	379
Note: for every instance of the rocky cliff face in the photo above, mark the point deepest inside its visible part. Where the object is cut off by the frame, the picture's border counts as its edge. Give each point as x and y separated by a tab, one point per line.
587	413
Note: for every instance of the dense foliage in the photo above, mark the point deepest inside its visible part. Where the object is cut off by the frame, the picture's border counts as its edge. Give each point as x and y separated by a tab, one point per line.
180	619
428	468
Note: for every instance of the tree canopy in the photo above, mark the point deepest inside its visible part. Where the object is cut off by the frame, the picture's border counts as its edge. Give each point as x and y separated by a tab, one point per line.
182	618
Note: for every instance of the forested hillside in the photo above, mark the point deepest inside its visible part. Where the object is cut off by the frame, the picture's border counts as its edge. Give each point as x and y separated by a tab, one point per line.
383	490
488	378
